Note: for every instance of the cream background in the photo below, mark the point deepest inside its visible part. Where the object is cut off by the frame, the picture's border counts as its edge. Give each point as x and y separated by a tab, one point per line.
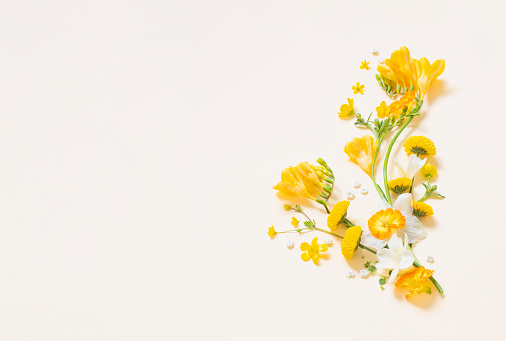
139	141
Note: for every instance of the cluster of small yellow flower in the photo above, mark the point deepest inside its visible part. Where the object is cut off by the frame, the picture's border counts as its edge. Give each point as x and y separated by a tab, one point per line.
394	226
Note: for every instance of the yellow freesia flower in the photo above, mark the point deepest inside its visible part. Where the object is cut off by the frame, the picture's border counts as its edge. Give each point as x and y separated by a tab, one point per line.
417	281
361	151
311	251
365	65
358	88
305	180
346	110
383	110
401	69
272	232
429	171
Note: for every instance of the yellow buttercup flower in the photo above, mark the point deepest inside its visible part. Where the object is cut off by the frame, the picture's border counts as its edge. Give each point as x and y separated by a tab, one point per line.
401	69
421	209
358	88
294	222
272	232
417	281
305	180
429	171
383	110
337	214
407	100
361	151
400	185
350	241
420	146
365	65
385	222
311	251
346	110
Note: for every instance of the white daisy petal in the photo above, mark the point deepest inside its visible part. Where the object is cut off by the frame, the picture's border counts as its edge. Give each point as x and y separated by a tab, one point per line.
414	229
407	260
403	204
414	165
369	240
395	244
393	275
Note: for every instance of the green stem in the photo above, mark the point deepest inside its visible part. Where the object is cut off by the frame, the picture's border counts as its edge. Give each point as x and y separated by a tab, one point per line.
417	264
387	156
427	192
378	188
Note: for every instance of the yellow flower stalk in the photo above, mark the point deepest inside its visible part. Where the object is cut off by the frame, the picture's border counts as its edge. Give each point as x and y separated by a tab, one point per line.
429	171
421	209
383	110
350	241
305	180
401	69
346	110
417	281
311	251
358	88
272	232
420	146
337	214
361	151
400	185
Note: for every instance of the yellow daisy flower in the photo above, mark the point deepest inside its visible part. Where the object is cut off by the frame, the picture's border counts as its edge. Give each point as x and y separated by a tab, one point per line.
400	185
311	251
421	209
361	151
385	222
350	241
346	110
365	65
272	232
305	180
417	281
420	146
294	222
383	110
401	69
337	214
429	171
358	88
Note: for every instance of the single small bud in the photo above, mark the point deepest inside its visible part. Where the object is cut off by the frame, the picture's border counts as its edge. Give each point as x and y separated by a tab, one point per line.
322	162
329	180
321	201
389	89
327	189
287	207
411	88
398	88
378	78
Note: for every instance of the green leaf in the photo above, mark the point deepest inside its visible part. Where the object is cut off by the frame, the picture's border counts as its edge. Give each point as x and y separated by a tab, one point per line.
372	268
308	224
382	281
362	257
368	264
382	288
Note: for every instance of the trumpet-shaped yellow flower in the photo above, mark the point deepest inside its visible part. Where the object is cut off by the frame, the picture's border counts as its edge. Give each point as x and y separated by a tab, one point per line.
294	222
365	65
400	185
311	251
429	171
305	180
350	241
272	232
383	110
337	214
401	69
346	110
361	151
421	209
420	146
358	88
417	281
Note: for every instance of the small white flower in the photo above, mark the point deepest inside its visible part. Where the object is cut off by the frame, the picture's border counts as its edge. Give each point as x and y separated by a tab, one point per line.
374	52
356	184
413	167
350	195
381	60
364	273
327	241
364	190
350	274
396	257
289	244
430	259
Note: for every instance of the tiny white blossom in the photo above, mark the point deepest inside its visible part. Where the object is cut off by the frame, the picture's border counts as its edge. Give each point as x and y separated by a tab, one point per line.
350	274
364	273
350	195
356	184
364	190
289	244
327	241
430	259
381	60
374	51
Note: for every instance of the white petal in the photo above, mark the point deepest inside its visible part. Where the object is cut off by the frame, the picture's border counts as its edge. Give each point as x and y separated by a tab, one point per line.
393	275
414	229
414	165
369	240
403	204
407	260
379	205
395	244
398	164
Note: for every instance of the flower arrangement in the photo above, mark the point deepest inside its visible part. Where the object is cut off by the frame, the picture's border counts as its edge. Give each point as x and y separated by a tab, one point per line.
395	226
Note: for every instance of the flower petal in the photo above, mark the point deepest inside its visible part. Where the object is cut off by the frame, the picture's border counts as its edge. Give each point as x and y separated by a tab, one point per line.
316	258
395	244
414	165
369	240
304	246
398	164
403	204
407	260
394	274
414	230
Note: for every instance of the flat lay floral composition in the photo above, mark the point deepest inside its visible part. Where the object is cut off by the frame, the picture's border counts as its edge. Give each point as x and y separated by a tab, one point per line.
396	224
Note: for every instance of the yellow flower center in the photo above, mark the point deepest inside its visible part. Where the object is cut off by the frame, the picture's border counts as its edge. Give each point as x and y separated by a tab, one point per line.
384	222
